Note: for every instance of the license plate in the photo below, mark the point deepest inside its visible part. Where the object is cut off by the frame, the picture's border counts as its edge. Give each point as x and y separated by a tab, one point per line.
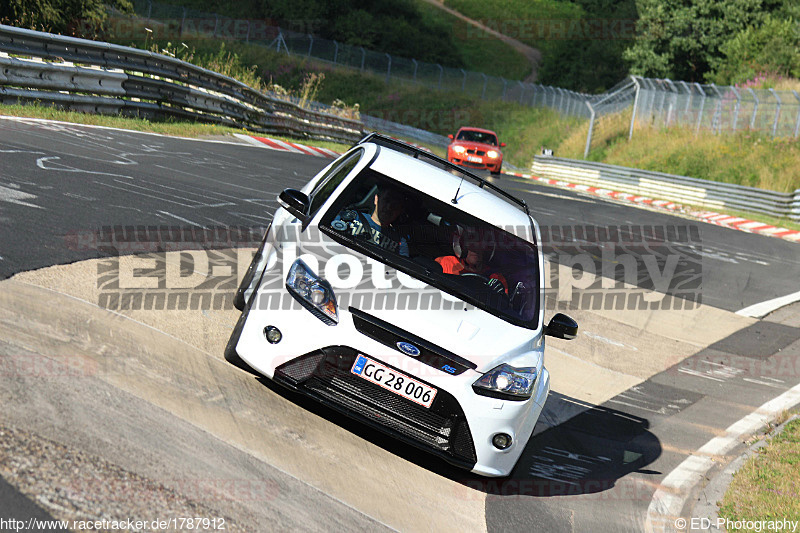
474	159
393	381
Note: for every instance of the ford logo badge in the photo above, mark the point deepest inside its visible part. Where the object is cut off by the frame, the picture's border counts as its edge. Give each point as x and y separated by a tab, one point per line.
408	348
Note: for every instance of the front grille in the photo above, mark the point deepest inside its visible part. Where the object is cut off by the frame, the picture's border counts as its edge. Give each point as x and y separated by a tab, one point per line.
442	428
476	152
390	335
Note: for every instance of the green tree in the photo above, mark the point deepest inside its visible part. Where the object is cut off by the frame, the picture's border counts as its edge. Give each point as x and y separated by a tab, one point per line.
773	47
681	39
59	16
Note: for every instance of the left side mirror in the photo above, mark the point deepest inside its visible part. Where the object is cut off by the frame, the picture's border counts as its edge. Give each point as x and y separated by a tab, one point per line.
562	327
296	202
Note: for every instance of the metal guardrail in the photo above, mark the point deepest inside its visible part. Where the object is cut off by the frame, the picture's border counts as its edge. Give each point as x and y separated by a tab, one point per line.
683	189
105	78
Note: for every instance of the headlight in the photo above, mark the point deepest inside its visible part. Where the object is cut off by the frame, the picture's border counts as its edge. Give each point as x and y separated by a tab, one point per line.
313	293
507	382
459	149
492	153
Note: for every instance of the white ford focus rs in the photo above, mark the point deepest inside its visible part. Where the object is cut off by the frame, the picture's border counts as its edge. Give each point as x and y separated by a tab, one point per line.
408	294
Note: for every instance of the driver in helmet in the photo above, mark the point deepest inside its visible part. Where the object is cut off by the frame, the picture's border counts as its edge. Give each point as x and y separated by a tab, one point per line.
472	254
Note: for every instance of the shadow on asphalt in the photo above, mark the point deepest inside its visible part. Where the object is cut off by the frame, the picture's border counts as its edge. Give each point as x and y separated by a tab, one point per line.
584	454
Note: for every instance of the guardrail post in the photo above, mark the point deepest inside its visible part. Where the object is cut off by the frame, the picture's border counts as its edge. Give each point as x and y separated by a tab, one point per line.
389	68
483	93
635	105
591	130
363	58
755	108
797	121
441	73
795	210
777	112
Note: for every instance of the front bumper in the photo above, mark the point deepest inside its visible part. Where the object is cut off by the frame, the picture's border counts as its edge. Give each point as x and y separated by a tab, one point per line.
492	165
325	376
458	427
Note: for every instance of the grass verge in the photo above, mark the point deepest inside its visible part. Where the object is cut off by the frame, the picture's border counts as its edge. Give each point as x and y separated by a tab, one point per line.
767	487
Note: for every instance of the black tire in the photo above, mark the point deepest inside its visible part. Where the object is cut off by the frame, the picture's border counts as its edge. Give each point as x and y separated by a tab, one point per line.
238	299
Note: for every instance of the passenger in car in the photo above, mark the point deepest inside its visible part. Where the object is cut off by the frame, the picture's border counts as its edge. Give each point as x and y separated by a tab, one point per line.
472	256
378	227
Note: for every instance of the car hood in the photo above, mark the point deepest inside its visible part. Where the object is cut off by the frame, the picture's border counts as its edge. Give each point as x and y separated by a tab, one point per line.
474	334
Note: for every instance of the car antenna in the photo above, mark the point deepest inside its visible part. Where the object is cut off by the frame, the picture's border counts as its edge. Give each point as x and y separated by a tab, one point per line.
455	198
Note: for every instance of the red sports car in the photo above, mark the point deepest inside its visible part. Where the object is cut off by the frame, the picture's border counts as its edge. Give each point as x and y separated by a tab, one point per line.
476	148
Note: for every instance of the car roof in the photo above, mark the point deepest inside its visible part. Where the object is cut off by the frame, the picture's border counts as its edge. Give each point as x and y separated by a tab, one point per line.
442	185
469	128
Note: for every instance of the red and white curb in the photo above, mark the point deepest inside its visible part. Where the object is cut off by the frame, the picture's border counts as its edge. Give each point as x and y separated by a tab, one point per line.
287	146
728	221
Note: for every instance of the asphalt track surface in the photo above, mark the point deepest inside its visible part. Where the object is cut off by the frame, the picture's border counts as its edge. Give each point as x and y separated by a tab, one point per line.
595	472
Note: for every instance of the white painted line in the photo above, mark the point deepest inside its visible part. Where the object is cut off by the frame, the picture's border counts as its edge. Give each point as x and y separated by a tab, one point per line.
669	499
762	309
176	217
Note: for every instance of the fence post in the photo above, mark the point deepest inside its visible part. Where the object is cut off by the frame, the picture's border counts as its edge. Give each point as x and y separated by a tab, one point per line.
591	130
389	68
702	107
755	108
183	20
736	108
663	101
363	58
335	52
415	70
150	10
441	72
716	121
247	37
635	105
310	44
521	91
483	92
464	81
505	83
797	122
777	112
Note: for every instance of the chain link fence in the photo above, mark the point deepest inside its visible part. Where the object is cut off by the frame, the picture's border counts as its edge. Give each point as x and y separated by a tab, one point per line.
715	109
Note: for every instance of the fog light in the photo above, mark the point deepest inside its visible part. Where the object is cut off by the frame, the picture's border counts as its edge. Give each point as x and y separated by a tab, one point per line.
501	441
273	334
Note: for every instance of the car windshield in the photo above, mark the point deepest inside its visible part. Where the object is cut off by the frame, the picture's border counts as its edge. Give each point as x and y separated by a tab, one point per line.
477	137
439	244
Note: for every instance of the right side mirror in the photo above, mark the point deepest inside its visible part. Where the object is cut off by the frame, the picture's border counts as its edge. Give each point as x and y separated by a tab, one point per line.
296	202
562	327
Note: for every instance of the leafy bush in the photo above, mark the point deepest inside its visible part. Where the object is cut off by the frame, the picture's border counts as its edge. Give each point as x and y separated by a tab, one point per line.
772	47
